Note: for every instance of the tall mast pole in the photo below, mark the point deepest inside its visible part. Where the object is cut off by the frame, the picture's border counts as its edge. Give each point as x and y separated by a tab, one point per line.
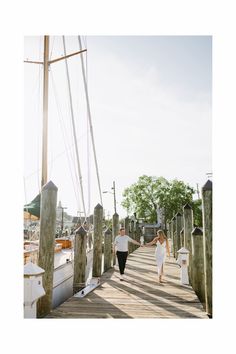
46	63
45	112
114	192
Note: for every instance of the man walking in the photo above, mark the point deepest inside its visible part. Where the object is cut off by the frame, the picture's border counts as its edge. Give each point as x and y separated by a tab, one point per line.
121	248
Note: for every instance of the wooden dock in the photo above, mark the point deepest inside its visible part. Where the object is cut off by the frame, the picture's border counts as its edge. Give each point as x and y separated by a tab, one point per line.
139	296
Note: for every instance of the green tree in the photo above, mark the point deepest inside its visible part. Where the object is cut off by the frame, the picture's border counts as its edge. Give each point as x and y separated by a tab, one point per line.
197	212
149	193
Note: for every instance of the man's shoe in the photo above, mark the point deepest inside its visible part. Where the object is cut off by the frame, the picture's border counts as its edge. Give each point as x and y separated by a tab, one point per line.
121	277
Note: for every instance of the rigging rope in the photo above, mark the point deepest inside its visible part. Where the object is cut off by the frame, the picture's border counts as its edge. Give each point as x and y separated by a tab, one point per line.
74	130
65	139
90	120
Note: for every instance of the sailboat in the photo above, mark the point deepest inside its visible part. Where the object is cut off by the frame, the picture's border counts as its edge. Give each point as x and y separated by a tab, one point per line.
63	260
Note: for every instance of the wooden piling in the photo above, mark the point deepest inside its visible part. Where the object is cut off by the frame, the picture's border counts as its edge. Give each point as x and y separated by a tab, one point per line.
97	247
207	242
188	228
137	232
174	237
178	229
197	276
132	245
47	244
127	231
188	225
79	259
171	236
115	231
182	237
107	249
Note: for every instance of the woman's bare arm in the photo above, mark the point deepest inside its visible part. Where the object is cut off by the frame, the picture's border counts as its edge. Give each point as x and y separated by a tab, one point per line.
152	242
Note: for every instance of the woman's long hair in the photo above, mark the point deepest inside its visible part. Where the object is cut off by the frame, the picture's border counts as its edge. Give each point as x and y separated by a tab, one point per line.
161	233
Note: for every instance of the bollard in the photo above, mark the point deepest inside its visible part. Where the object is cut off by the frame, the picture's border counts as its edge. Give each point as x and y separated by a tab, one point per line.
207	242
33	288
198	281
115	231
97	248
183	262
47	244
80	243
107	249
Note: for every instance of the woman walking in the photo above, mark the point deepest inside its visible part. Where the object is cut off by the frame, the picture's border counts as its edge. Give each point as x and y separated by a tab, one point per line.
162	246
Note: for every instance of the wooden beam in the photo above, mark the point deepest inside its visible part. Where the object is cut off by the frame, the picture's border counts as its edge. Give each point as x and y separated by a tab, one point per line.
33	62
66	56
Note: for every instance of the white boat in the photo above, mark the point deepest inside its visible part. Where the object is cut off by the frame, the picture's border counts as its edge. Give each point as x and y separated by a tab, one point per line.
63	269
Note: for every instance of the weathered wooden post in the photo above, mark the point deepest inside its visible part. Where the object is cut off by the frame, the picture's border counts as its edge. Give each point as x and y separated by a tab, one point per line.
127	232
178	229
107	249
79	259
47	244
198	281
132	246
182	237
174	236
188	227
97	247
171	236
115	231
207	241
168	234
137	232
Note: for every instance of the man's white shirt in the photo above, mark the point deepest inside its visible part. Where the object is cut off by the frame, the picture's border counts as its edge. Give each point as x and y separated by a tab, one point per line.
121	243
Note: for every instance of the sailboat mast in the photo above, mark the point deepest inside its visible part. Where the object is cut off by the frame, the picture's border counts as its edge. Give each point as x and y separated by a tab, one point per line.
45	112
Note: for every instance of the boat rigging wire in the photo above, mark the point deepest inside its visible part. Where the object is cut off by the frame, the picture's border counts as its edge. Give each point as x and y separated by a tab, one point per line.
65	139
74	130
90	120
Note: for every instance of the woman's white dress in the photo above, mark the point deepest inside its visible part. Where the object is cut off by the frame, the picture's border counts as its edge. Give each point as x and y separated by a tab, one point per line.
160	254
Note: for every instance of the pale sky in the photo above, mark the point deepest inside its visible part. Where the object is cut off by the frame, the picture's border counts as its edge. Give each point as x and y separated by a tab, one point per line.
127	17
150	99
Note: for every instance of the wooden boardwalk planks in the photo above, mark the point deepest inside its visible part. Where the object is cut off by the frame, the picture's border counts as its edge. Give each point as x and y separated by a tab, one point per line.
139	296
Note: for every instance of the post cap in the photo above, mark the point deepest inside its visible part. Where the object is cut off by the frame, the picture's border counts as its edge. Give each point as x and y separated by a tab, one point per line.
178	214
116	215
32	269
108	232
197	231
207	186
98	206
50	185
187	206
81	231
183	250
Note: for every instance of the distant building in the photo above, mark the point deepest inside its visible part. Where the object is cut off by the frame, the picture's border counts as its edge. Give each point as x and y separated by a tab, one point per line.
80	220
149	231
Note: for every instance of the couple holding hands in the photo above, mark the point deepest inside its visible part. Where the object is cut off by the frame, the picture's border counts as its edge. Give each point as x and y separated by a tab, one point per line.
121	249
